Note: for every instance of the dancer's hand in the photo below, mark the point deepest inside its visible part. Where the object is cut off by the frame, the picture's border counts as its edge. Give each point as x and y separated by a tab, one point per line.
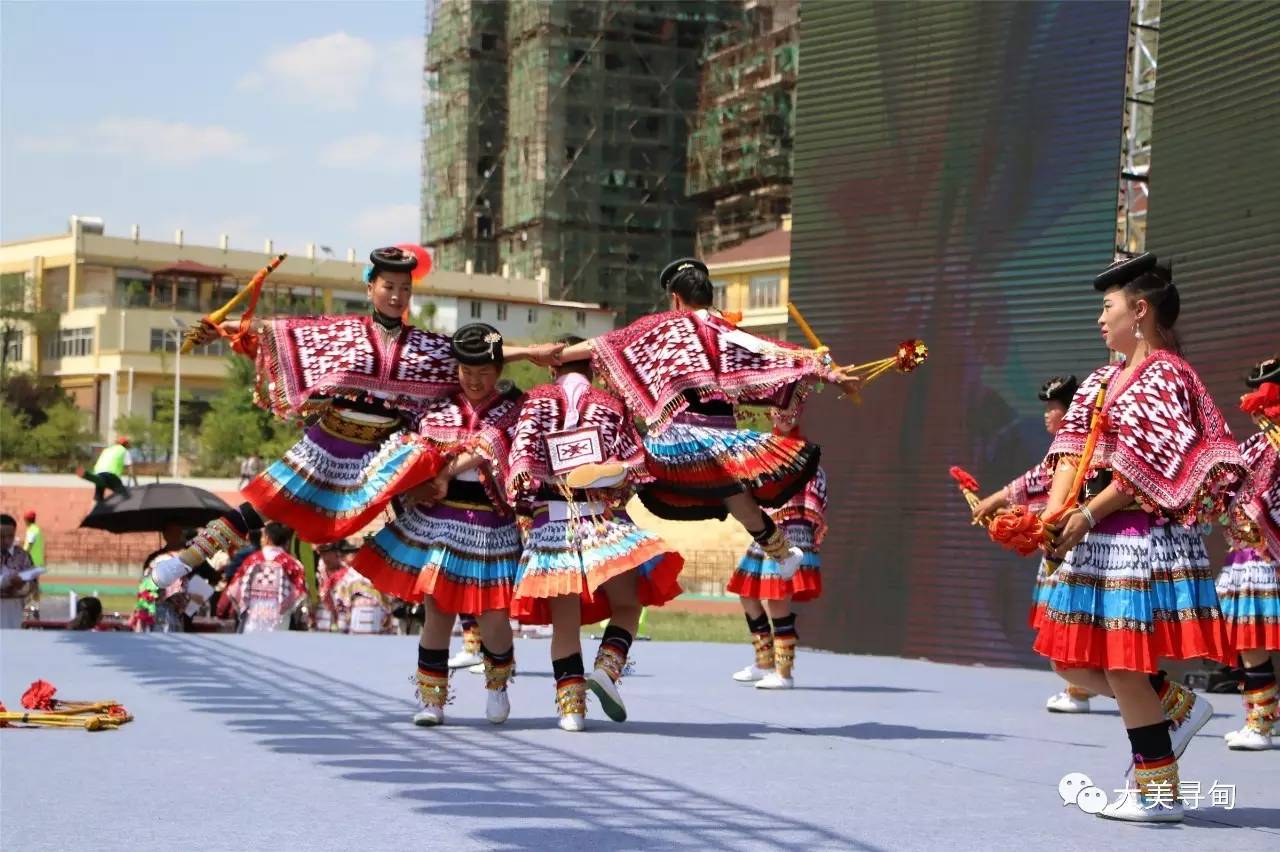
990	504
1073	532
206	332
851	385
545	354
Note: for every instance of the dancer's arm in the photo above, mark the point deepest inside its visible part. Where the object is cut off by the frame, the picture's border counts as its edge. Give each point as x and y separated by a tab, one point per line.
1111	499
432	491
542	354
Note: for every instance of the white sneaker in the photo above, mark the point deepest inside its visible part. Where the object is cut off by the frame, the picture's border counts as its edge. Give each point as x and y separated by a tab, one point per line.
573	722
1200	714
1247	739
773	680
428	715
1065	702
465	659
751	674
607	692
478	668
497	706
789	566
1134	807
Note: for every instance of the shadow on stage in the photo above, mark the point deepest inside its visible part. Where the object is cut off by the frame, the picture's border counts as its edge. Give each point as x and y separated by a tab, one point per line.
562	799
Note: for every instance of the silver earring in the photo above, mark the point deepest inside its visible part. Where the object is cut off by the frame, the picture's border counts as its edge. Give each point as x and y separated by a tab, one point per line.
1137	332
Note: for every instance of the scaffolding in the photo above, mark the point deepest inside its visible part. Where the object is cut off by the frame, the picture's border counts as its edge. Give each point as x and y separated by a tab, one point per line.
740	147
464	127
594	163
1140	90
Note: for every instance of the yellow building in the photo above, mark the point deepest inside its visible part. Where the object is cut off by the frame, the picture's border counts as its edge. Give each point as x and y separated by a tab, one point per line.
120	301
752	278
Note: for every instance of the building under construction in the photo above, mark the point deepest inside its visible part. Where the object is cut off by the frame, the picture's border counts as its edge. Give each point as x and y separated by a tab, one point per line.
556	139
741	137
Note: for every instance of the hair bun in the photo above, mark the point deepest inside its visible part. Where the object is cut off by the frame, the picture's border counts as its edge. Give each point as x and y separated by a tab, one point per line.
476	344
1059	389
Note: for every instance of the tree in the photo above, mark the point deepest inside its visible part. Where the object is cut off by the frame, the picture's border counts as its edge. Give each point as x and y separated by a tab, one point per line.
234	427
62	439
18	313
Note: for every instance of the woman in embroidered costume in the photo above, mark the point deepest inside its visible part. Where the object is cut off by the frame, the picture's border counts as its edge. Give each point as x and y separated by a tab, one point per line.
1031	489
682	372
765	594
268	586
459	548
1135	584
584	560
362	382
1248	586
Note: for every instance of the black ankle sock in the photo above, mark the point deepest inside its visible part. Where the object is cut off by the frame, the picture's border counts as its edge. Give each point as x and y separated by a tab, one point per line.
497	659
618	638
759	624
785	626
567	668
1151	742
1157	681
769	529
1259	677
467	621
433	661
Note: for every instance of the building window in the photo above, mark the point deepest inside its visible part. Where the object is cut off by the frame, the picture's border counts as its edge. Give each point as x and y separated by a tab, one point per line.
475	310
13	344
164	340
765	291
720	295
133	288
533	315
581	317
70	343
502	312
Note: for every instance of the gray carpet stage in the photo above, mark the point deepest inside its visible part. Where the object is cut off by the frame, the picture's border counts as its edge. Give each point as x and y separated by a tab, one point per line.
302	741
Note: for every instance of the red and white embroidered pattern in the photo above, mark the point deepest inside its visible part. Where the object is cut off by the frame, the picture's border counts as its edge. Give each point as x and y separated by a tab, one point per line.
809	505
305	357
453	425
1031	489
543	411
1163	436
655	360
1259	499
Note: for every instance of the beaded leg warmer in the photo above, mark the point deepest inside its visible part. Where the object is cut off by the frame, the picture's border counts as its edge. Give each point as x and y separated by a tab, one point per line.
1260	709
1078	693
611	661
571	696
784	655
433	689
1176	701
1157	779
763	643
497	675
471	638
776	545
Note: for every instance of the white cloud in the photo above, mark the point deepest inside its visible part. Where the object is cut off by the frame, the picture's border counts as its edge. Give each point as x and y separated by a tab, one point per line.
388	224
148	139
373	150
335	71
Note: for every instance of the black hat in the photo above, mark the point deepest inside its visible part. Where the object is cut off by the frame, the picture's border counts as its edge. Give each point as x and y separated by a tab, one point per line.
390	259
1059	389
677	266
1123	271
476	344
1267	371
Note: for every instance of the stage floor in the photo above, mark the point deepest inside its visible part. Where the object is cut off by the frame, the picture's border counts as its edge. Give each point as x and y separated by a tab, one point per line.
303	741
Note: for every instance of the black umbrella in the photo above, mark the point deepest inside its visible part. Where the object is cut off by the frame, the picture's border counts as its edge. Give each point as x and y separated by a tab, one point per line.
149	508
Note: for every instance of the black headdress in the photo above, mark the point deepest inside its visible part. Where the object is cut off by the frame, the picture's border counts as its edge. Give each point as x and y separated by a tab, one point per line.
675	267
477	344
1059	389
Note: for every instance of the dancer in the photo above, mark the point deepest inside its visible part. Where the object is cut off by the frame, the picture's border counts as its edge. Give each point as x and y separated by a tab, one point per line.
365	381
469	657
766	595
268	586
682	372
1248	586
584	560
1031	489
357	607
459	548
1135	585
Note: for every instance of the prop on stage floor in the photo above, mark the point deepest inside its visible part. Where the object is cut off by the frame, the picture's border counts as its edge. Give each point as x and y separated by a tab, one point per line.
53	712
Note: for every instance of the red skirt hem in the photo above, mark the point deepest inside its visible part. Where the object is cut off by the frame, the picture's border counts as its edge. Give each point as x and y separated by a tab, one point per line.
804	586
386	579
655	588
1252	636
1085	646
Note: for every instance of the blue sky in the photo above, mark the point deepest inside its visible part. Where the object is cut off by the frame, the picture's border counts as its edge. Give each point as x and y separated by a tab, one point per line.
296	121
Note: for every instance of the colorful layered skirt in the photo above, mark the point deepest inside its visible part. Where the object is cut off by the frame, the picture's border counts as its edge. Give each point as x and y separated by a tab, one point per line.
1133	592
1250	600
340	476
758	575
564	557
699	460
462	555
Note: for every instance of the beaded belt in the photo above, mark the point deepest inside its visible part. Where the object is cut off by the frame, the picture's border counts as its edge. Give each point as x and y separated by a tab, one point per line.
350	430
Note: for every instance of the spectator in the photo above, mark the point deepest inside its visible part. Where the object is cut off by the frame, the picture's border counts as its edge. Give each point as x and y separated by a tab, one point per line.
269	586
88	614
109	470
34	539
14	563
175	539
254	545
249	468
